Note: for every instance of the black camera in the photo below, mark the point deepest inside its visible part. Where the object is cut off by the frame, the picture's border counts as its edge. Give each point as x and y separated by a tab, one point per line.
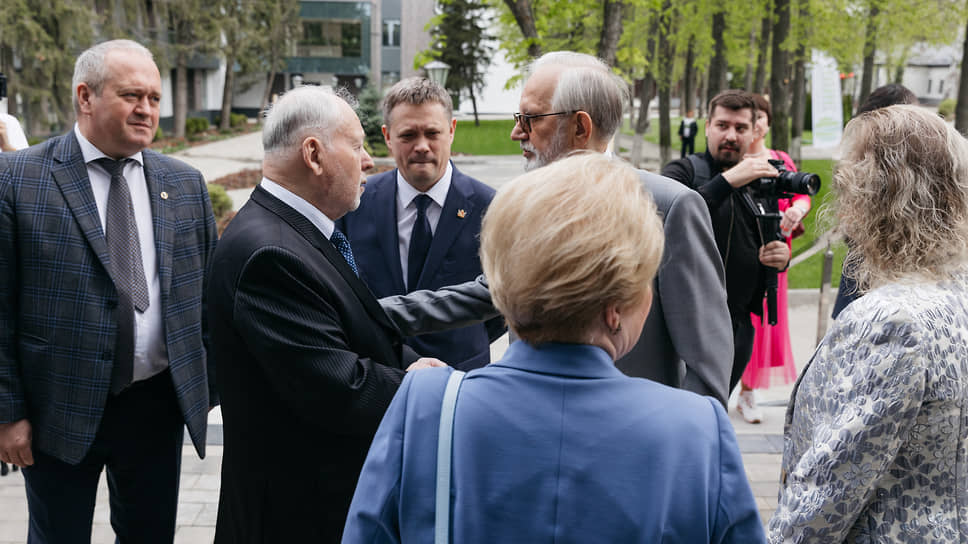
3	86
786	183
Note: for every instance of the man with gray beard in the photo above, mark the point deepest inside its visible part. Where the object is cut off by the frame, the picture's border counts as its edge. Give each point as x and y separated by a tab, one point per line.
573	102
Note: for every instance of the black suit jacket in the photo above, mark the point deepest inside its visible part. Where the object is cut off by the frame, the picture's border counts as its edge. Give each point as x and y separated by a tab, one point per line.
307	363
453	258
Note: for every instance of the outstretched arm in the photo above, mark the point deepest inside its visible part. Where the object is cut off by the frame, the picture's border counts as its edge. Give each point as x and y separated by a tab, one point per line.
446	308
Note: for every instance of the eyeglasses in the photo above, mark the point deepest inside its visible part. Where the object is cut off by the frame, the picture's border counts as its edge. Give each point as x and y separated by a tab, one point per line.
524	120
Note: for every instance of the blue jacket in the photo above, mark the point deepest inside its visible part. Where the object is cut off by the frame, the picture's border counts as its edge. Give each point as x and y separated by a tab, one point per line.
453	258
556	445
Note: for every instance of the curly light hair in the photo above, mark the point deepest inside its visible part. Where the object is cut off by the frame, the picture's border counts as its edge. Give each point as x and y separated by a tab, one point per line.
561	243
902	196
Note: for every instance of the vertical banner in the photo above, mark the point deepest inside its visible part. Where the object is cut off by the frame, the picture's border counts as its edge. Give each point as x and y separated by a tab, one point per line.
827	105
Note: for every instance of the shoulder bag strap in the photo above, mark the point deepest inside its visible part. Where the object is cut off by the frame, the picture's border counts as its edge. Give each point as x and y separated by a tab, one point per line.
445	436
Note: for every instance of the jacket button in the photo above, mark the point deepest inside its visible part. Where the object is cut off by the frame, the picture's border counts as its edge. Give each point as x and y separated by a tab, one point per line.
112	303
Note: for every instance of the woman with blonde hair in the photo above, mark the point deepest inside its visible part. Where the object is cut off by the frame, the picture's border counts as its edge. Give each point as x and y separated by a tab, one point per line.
876	435
552	442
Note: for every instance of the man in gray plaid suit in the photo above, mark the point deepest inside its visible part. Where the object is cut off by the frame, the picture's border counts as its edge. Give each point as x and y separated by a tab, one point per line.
103	248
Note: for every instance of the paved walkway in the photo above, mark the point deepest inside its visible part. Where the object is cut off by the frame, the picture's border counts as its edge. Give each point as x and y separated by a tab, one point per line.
198	499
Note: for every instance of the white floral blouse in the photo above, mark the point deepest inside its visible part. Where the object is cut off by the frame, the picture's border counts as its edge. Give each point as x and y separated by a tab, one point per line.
876	434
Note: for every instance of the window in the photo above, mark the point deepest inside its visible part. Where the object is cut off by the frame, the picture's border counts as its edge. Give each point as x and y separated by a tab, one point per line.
940	86
391	33
331	38
929	86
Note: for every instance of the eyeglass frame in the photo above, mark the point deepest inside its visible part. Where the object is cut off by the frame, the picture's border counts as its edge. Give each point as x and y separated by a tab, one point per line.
518	117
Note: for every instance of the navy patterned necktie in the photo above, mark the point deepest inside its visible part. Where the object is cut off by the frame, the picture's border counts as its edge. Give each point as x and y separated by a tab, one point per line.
343	246
420	238
124	247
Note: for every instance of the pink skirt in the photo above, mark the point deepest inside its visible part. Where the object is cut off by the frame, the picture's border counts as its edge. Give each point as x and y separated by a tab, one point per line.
772	352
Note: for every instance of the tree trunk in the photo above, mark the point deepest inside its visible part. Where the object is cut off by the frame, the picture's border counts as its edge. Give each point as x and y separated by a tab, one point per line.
181	94
870	47
799	105
703	91
477	121
646	94
524	16
961	109
780	78
766	30
688	81
266	94
227	92
611	31
666	56
631	105
717	68
748	83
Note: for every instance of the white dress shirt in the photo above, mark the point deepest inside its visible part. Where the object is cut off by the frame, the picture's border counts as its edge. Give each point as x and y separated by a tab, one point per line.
305	209
150	348
407	211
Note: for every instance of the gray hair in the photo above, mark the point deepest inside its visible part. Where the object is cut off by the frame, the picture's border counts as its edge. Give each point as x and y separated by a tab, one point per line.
299	111
91	69
416	91
589	85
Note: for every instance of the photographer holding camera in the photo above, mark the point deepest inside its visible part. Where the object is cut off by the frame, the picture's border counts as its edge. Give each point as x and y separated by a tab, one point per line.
745	222
12	136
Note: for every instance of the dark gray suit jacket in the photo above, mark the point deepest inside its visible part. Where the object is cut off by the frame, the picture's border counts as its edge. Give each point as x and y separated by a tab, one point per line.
687	340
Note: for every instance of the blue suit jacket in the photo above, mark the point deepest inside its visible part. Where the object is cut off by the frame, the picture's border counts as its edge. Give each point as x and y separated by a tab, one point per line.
556	445
453	258
58	304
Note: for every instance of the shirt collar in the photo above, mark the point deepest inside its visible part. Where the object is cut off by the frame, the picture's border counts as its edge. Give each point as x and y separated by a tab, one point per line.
296	202
91	153
438	193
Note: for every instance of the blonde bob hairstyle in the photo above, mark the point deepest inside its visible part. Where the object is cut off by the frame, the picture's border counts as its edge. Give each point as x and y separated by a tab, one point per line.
902	196
562	242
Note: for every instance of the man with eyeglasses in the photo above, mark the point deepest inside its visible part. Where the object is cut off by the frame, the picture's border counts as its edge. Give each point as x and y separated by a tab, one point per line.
573	102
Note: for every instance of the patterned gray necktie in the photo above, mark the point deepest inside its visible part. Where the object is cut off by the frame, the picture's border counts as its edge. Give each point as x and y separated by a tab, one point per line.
124	246
343	246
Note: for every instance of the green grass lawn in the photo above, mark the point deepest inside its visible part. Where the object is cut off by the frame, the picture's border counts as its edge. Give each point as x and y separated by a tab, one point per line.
808	273
492	137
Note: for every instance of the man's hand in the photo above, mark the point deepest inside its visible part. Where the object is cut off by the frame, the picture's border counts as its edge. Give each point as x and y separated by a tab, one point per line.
775	254
4	140
425	362
747	170
15	439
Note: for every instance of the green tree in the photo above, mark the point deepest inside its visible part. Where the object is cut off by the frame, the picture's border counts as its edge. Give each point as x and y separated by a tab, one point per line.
459	39
44	38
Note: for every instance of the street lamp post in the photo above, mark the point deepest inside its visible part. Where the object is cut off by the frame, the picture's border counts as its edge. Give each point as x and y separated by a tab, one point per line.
437	71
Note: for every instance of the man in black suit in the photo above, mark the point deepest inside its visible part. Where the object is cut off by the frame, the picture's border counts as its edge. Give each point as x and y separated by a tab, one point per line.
418	226
307	360
103	248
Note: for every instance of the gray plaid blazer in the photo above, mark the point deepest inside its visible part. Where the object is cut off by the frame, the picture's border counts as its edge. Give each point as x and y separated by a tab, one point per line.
58	302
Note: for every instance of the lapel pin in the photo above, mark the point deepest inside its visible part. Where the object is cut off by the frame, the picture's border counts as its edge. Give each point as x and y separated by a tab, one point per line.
164	195
461	213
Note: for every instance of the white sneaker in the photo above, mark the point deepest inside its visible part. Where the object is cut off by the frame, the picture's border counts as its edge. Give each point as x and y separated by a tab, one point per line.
748	408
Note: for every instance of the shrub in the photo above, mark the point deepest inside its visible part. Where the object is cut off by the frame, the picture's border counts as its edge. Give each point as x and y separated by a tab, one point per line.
371	116
195	125
946	108
238	120
159	134
221	201
848	108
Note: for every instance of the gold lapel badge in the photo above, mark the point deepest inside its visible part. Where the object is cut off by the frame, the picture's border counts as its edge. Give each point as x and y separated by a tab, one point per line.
164	195
461	214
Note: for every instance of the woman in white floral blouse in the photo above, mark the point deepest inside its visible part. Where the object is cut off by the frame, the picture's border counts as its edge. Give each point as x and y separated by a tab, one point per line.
876	438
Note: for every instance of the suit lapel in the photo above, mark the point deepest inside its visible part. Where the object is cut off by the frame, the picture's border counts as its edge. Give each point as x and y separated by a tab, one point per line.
158	183
70	174
309	231
385	202
449	226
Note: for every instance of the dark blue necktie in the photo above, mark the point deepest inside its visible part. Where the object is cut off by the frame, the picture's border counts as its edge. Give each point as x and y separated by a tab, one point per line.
343	246
420	238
